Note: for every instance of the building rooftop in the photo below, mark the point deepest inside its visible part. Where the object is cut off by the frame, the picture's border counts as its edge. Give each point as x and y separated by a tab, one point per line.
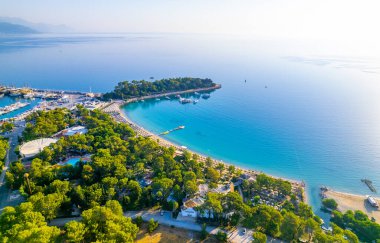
32	148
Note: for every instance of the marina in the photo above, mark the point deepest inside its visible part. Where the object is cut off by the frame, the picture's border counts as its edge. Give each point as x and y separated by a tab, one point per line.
12	107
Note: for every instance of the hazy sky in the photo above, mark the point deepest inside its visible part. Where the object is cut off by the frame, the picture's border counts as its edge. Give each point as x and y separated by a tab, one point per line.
325	19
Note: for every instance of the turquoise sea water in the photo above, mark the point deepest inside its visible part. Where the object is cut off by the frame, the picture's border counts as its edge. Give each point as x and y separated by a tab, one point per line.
307	111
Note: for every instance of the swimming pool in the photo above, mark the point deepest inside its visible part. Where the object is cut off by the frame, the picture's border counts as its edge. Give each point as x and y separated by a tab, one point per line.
74	161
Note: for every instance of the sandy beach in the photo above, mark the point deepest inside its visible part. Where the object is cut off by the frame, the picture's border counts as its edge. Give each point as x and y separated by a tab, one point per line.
347	201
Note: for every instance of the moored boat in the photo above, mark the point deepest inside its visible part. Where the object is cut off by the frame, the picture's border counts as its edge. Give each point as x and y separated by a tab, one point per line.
206	96
184	100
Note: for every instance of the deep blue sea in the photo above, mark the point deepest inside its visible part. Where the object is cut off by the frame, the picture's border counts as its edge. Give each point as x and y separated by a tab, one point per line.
307	111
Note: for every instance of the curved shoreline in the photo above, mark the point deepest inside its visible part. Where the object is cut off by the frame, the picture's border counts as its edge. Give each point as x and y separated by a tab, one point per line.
115	110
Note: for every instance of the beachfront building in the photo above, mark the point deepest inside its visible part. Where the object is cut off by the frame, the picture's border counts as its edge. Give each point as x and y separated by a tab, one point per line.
32	148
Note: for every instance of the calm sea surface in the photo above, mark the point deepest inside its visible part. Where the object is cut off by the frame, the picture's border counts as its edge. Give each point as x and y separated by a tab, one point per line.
305	112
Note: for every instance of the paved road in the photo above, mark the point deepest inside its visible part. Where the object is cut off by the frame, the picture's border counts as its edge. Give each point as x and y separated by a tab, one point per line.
165	219
237	236
5	193
13	143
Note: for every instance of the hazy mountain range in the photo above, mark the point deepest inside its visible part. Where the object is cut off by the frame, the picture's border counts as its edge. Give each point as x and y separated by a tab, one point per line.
9	25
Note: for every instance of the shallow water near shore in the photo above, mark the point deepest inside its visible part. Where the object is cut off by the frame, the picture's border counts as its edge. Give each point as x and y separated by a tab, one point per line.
302	113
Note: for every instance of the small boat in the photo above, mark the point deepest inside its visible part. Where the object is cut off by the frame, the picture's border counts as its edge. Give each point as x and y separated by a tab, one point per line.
167	97
29	96
158	99
196	93
181	127
184	100
206	96
178	96
195	101
15	94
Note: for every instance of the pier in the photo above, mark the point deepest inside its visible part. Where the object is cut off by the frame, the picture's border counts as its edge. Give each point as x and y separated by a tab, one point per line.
369	184
172	130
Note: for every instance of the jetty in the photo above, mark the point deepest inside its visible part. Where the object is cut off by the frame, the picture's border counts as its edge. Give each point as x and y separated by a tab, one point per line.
172	130
369	184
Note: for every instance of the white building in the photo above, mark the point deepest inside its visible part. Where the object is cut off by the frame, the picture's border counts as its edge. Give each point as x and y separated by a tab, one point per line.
32	148
75	130
189	205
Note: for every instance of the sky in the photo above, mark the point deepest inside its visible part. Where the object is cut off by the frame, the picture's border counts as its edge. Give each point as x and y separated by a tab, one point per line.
309	19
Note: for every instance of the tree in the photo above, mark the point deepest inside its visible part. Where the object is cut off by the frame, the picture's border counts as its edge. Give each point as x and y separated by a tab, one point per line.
304	211
164	186
212	174
7	127
152	225
351	237
209	162
4	146
15	175
75	231
134	193
330	203
23	224
213	204
138	221
204	232
259	237
221	236
191	188
290	227
126	89
47	205
107	223
220	167
231	169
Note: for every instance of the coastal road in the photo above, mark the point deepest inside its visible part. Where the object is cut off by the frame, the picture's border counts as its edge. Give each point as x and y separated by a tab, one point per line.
235	236
6	197
13	143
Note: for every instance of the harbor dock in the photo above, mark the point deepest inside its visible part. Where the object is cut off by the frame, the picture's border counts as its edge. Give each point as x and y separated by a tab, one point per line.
369	184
